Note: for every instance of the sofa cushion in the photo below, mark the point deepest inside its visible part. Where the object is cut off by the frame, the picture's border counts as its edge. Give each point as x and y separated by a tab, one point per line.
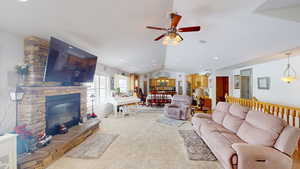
232	122
198	122
220	144
232	137
260	128
211	126
203	115
221	110
238	111
288	140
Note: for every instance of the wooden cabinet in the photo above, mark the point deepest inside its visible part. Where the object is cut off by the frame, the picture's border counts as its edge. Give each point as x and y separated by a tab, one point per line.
161	84
152	82
134	81
172	82
203	81
196	81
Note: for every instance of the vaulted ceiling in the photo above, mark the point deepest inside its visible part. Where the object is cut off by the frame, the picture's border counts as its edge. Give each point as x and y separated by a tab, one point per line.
233	31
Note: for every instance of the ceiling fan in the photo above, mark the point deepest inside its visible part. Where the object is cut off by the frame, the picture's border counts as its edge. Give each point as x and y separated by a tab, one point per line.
172	37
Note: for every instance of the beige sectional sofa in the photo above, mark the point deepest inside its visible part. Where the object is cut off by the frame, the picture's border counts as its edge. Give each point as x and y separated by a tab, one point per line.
244	139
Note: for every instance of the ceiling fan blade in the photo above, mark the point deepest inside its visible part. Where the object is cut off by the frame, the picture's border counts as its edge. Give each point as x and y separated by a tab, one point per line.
175	20
190	29
180	37
156	28
158	38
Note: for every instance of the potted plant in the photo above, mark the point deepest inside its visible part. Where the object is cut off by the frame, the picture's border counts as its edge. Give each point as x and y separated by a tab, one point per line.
22	70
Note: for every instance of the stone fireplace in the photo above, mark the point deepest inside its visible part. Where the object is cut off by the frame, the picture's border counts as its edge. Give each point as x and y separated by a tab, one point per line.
46	104
33	107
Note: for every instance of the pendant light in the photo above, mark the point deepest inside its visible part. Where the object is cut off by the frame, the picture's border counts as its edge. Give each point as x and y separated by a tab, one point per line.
289	74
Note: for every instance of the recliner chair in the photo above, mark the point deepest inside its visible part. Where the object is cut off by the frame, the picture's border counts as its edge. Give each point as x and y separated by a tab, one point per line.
180	108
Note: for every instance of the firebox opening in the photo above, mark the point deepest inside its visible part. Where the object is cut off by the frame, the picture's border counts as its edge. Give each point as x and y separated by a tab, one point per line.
62	110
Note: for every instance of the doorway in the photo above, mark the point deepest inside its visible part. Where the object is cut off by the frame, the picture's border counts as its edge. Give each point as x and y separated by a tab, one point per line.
222	88
246	84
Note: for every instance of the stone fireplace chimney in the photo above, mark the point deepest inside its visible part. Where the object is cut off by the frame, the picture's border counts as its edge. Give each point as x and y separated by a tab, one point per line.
32	108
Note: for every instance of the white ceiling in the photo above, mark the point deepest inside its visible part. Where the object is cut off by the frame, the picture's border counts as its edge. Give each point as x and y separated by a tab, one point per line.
235	30
112	29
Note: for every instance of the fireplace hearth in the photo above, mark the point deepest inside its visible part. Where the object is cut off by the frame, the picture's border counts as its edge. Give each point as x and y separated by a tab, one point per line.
62	110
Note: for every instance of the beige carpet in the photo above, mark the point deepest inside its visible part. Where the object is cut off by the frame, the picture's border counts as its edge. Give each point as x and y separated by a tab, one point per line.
142	144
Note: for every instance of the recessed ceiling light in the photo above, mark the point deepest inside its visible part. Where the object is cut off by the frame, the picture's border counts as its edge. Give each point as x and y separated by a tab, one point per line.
216	58
23	0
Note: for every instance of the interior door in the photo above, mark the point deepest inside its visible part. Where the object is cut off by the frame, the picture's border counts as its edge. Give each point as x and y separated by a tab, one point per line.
222	88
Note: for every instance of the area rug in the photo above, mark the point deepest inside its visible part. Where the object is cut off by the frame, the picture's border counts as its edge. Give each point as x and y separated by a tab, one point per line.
196	148
168	121
93	147
146	109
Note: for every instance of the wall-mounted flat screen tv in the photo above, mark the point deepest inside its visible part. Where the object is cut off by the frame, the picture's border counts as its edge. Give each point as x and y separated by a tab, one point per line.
67	63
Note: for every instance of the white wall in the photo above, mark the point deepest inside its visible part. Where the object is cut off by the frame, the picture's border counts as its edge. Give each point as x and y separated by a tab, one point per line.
11	53
280	92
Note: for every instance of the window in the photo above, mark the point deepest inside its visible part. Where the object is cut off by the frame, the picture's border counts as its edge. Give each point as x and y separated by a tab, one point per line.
98	88
123	85
103	88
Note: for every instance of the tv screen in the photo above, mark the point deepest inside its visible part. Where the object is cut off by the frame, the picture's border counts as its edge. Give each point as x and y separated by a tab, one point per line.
67	63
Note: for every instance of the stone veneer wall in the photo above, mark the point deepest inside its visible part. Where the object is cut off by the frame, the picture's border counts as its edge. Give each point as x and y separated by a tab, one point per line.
36	53
32	108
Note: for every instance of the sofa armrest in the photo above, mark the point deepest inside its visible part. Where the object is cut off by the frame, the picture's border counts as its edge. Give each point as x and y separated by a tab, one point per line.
203	115
260	157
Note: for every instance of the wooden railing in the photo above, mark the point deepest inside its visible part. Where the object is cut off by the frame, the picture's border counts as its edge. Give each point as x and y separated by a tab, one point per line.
289	114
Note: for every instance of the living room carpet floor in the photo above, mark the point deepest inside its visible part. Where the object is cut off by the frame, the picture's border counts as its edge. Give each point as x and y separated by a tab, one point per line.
168	121
142	144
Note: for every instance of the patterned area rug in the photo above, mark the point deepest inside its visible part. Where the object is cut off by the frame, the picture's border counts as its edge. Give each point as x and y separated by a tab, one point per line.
93	147
146	109
168	121
196	148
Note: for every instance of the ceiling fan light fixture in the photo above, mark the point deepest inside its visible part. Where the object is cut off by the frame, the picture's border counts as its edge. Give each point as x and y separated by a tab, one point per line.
172	39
